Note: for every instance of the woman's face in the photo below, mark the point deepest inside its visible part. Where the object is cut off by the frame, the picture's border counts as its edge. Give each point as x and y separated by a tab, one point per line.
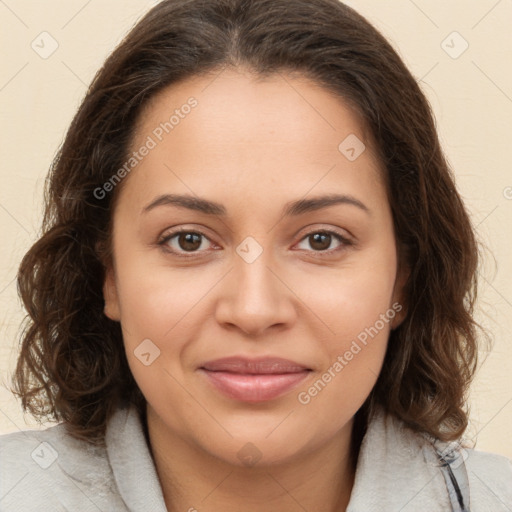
267	271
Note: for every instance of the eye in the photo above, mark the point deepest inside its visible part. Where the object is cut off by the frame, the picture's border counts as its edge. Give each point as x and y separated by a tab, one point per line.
320	241
183	241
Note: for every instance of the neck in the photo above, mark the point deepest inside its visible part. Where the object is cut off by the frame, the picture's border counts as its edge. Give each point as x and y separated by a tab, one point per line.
192	479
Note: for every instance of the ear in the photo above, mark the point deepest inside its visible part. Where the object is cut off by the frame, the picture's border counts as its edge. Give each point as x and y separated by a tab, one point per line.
110	296
399	302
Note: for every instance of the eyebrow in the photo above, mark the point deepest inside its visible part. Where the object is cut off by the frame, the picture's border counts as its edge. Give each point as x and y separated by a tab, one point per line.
292	208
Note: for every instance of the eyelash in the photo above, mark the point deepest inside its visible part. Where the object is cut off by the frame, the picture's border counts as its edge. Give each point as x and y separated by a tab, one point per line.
344	241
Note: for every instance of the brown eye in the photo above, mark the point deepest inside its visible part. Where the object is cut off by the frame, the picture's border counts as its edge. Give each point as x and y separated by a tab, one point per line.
320	241
189	241
183	241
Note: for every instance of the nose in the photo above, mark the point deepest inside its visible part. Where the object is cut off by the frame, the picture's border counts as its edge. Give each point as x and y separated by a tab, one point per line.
254	297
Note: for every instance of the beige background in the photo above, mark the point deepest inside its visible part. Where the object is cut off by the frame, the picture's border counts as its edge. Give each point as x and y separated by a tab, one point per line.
470	92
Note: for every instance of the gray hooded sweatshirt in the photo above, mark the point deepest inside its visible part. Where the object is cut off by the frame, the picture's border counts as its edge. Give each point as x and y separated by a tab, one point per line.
397	471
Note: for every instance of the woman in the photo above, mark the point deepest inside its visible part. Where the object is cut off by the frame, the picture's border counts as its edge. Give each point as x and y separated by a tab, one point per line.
255	284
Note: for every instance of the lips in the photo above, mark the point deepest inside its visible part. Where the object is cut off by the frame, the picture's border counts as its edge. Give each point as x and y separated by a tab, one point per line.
254	380
266	365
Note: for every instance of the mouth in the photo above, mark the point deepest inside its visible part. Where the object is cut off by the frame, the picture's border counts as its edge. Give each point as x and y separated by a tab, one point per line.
254	380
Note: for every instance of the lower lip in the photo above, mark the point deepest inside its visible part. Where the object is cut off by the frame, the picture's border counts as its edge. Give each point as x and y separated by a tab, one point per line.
254	388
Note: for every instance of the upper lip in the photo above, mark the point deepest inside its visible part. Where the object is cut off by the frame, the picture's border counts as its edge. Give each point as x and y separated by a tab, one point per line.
261	365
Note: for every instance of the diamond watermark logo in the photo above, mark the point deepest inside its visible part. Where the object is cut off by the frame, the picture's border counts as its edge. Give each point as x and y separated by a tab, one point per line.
146	352
44	455
352	147
45	45
249	250
454	45
249	454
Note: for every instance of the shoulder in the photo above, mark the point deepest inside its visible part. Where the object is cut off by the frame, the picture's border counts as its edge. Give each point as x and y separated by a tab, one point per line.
490	479
50	470
482	479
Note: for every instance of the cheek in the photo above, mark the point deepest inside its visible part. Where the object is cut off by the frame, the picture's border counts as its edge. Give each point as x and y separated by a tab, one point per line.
153	298
155	309
359	321
352	297
359	314
356	305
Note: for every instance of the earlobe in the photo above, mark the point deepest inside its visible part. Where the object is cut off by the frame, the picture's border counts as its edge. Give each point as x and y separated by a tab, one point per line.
399	317
111	308
399	302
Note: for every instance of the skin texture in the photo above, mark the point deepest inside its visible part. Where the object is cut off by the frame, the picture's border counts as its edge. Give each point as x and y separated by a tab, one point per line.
253	146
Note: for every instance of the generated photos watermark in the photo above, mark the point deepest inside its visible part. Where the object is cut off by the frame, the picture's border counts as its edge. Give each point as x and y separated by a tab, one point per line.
305	397
151	142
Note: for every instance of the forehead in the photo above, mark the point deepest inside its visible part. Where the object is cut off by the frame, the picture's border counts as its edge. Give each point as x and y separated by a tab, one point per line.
239	103
284	130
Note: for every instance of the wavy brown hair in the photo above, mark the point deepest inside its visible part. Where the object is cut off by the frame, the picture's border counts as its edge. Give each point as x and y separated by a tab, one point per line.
72	366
